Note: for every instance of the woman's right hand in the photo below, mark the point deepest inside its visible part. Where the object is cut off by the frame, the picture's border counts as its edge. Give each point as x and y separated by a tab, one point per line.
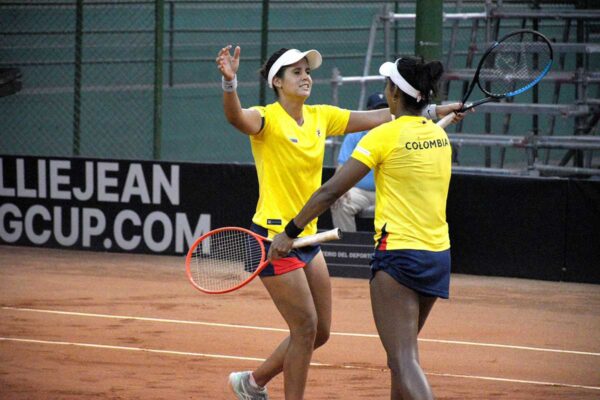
227	64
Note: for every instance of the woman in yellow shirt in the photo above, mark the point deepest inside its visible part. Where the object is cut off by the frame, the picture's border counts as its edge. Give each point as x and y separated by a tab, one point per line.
288	145
410	267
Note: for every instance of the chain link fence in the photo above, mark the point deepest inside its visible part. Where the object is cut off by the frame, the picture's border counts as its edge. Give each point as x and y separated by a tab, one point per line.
87	74
89	69
194	126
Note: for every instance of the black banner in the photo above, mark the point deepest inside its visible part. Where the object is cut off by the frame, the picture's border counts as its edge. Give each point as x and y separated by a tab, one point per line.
350	256
507	226
117	205
582	258
540	228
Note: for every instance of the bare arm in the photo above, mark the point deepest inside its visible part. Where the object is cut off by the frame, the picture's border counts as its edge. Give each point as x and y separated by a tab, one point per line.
345	197
445	109
351	172
367	120
245	120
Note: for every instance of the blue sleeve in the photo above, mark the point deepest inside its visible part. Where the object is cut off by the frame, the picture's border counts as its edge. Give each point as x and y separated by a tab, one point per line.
350	142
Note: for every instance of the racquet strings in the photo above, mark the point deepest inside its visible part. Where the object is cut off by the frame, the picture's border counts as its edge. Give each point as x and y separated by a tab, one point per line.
514	64
225	260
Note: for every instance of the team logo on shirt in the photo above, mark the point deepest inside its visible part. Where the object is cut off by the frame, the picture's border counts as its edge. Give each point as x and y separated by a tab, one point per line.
427	144
318	133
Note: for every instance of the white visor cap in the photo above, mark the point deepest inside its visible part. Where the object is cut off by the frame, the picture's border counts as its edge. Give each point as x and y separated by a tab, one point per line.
292	56
390	70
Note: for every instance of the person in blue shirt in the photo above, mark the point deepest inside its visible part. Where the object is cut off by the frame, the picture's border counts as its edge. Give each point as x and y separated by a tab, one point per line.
362	195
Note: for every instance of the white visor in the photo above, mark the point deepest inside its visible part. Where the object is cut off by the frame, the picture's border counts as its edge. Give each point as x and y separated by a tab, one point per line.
292	56
390	70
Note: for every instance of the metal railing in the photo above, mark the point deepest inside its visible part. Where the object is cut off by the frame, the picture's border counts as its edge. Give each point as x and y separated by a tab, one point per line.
584	110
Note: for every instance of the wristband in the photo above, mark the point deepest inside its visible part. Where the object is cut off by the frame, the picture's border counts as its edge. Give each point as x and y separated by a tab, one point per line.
292	230
229	86
430	112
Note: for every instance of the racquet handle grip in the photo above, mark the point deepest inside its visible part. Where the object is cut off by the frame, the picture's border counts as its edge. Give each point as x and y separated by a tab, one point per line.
326	236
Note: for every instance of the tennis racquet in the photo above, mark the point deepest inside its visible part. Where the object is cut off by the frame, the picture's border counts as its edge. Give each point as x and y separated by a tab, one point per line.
512	65
226	259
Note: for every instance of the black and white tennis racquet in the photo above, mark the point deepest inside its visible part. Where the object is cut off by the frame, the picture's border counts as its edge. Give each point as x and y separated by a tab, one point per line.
512	65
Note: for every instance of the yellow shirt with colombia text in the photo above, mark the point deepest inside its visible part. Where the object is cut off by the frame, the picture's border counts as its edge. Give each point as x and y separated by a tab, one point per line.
412	159
289	161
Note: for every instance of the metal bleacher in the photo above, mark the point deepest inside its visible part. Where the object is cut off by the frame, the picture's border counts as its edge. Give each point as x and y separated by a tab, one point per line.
553	134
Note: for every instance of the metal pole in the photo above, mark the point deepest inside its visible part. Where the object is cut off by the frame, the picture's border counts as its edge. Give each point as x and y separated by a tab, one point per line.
158	74
171	40
77	79
453	35
264	43
335	85
428	33
396	44
580	89
369	56
386	32
535	125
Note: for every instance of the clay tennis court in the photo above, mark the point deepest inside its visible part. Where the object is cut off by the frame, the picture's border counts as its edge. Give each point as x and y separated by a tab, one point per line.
87	325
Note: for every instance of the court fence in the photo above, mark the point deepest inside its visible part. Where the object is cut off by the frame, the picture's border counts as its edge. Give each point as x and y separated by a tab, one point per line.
136	79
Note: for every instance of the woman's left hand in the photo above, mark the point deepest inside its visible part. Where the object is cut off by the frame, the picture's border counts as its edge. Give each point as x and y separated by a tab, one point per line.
280	247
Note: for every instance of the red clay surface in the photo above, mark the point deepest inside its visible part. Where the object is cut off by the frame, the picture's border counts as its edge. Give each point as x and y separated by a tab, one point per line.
85	325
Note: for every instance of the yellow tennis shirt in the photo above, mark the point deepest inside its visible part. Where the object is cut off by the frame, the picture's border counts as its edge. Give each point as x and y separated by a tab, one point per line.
289	161
412	159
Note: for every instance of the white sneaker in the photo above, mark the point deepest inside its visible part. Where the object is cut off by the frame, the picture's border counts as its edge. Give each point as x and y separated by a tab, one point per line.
239	382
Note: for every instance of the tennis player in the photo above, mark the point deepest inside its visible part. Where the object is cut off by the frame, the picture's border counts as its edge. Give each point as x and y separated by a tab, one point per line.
411	263
288	144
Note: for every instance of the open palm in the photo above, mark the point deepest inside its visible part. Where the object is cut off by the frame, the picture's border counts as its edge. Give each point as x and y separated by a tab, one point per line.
228	64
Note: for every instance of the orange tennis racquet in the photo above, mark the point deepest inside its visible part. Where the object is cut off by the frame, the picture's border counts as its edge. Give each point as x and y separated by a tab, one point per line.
226	259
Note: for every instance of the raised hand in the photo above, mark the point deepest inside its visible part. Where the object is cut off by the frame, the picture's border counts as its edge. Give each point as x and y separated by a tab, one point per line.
228	64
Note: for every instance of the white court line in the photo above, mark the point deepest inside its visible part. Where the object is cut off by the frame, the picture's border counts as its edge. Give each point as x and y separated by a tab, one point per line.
314	364
260	328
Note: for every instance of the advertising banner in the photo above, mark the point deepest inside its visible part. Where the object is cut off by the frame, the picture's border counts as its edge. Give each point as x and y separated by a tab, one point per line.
508	226
119	205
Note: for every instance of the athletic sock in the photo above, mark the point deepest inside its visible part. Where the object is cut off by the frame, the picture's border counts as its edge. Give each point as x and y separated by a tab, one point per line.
253	382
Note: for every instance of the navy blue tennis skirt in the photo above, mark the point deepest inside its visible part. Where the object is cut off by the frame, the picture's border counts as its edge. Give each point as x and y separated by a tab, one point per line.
426	272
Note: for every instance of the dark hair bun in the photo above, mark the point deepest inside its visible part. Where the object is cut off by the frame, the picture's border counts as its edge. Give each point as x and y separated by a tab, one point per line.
422	76
435	69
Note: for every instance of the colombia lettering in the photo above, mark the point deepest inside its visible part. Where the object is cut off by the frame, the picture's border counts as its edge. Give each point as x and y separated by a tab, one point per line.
427	144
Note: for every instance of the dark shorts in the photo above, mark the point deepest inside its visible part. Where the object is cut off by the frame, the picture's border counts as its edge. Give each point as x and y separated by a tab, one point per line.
426	272
298	258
